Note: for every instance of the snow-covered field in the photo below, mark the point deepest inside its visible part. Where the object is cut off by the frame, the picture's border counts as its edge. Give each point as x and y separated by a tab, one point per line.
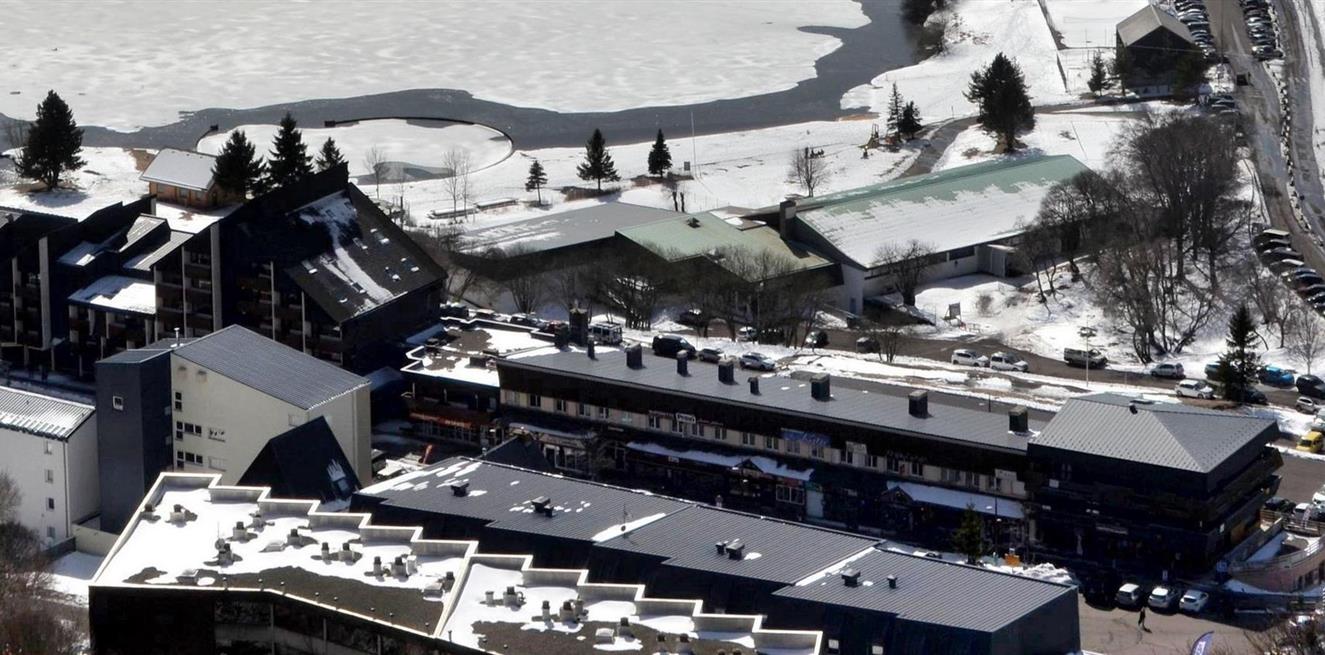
71	573
1090	23
136	63
1088	137
110	176
983	28
417	142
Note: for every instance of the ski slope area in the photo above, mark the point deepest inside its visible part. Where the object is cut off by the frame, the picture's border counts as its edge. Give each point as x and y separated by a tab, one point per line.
154	60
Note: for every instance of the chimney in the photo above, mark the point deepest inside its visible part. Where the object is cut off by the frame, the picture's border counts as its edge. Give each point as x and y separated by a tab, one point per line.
579	325
634	356
892	582
851	577
589	349
820	388
1131	406
754	385
786	214
721	547
918	404
727	371
176	337
736	550
1018	420
683	363
460	487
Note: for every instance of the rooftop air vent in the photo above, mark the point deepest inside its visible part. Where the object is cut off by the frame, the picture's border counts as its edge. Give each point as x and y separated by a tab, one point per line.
727	370
736	550
821	387
892	582
683	363
918	404
1019	420
460	487
754	385
634	356
851	577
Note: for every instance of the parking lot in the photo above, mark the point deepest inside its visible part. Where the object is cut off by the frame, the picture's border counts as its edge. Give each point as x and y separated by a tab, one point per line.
1114	631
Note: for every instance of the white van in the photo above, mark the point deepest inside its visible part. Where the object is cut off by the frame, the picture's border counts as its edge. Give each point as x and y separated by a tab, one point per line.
605	333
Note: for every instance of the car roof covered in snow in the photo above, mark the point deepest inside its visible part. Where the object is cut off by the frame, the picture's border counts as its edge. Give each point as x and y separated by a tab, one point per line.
1169	435
181	168
953	209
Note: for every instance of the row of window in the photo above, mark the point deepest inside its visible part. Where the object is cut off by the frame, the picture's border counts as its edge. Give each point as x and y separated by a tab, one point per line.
689	426
183	457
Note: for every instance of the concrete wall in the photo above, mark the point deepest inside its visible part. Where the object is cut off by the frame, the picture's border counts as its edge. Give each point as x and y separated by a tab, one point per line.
83	480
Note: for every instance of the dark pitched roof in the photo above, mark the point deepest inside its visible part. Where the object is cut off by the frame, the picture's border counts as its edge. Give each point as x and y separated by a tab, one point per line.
500	495
367	261
303	462
270	367
1147	20
1161	434
137	355
19	228
775	551
932	591
872	410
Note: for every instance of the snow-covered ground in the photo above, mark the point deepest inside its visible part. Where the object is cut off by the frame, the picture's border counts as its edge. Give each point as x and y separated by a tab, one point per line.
1088	137
417	142
71	573
110	176
156	60
1087	24
982	29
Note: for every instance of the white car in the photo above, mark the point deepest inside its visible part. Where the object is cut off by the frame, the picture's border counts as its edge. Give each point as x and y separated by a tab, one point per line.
758	362
1318	498
746	333
1008	362
1129	595
1163	598
969	358
1194	601
1194	389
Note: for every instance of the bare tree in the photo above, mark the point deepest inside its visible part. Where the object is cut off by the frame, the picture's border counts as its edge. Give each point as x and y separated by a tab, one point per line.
890	337
374	159
446	245
1306	337
631	286
460	165
30	619
512	271
567	286
10	496
907	264
1271	299
809	170
15	133
1037	252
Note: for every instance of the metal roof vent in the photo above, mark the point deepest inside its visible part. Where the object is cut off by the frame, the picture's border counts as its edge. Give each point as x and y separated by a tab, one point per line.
918	404
754	385
542	505
851	577
892	582
460	487
683	363
1019	420
736	550
634	356
820	387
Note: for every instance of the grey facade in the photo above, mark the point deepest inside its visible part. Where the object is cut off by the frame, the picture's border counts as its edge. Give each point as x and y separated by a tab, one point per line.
134	427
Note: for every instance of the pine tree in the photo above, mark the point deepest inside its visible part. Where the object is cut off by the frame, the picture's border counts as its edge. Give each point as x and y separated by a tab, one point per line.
54	141
892	128
329	156
237	169
909	125
969	537
1238	364
598	165
1188	76
289	160
1005	107
1099	74
537	178
660	157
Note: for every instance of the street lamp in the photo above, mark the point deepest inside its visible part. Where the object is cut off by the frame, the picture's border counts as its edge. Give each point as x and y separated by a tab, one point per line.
1086	333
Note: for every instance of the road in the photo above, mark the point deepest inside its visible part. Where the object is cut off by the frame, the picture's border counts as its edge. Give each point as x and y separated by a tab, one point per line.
1114	631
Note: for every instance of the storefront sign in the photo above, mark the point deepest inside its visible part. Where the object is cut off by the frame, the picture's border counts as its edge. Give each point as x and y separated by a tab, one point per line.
812	438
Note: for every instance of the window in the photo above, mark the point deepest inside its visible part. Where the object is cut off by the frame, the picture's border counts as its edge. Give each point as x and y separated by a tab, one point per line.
719	433
817	452
873	461
848	457
50	504
535	400
559	405
747	439
655	421
50	447
876	649
179	402
179	430
678	426
50	532
583	409
917	468
793	447
50	476
834	647
894	464
793	495
117	403
604	413
771	443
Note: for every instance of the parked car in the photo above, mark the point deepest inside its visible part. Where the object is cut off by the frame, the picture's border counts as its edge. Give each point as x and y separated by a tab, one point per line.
1164	597
1171	370
1279	504
1303	511
1311	291
969	357
758	361
1310	385
1276	254
1311	442
1212	371
1194	601
1194	389
1269	244
1079	357
693	317
1251	396
867	345
1308	405
1318	498
1130	594
746	333
1273	375
816	339
608	333
1001	361
710	354
1271	233
669	345
527	320
1285	265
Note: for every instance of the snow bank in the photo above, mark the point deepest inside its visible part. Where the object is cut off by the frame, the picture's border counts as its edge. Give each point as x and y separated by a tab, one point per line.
563	55
1088	137
110	176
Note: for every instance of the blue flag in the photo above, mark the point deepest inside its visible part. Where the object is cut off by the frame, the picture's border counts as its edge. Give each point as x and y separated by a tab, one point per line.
1203	645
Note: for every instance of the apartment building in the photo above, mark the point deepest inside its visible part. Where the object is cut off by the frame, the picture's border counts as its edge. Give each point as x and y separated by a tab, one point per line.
49	452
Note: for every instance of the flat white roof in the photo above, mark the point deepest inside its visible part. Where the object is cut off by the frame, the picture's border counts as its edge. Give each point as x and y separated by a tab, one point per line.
120	294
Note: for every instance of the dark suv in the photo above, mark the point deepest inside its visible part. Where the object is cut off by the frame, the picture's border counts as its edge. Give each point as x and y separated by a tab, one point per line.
668	345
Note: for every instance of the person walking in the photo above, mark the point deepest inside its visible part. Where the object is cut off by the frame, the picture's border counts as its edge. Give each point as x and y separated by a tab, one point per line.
1141	619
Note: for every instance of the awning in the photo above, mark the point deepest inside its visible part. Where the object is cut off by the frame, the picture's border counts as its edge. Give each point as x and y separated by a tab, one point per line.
991	505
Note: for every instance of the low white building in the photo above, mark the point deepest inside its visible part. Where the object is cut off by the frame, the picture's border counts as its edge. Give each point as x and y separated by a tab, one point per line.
48	447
